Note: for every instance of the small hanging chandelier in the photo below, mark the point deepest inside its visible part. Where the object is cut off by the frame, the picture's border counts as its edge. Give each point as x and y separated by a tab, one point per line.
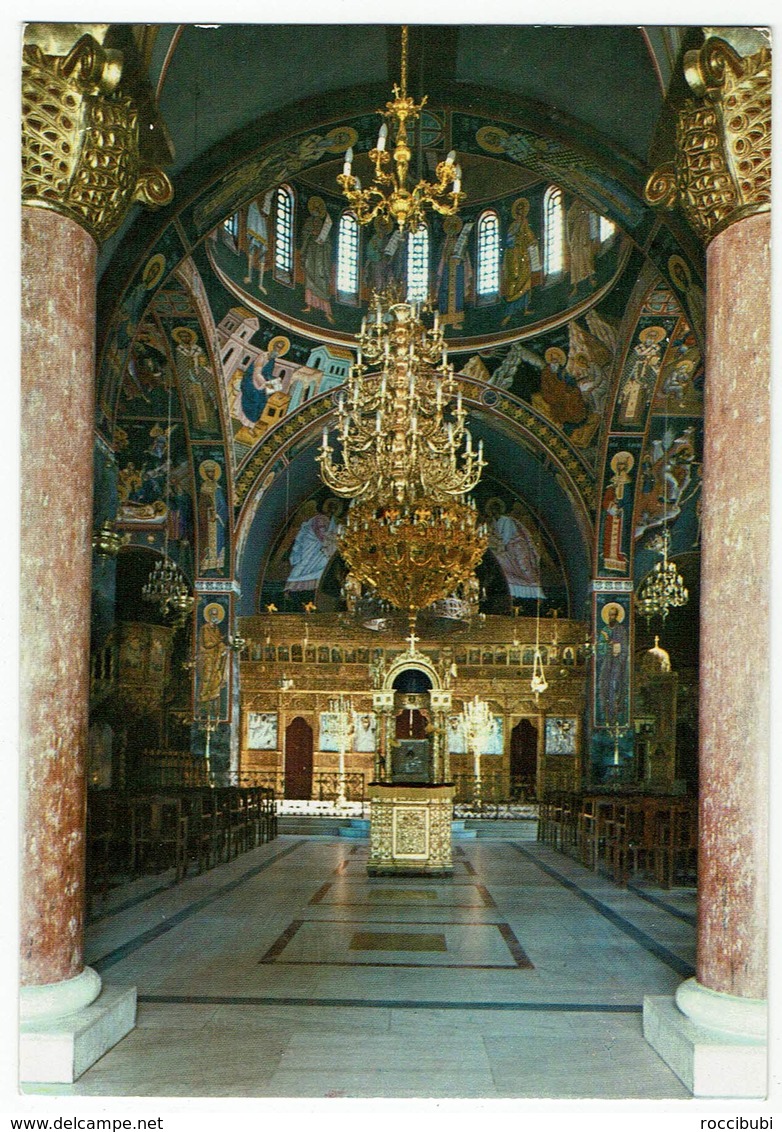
108	541
663	588
166	586
389	194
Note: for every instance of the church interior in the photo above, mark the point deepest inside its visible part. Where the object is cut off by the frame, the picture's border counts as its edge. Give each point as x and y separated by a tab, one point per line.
407	460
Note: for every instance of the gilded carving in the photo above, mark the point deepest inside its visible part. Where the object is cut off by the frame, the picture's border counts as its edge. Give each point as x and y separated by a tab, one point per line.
80	153
410	831
440	836
380	833
722	168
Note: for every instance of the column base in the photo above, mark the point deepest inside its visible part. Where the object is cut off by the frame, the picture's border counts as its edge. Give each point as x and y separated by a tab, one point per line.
58	1050
710	1064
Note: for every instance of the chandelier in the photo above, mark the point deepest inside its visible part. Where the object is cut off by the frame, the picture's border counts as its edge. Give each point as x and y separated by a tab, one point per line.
166	586
412	556
107	542
407	462
389	194
399	441
663	588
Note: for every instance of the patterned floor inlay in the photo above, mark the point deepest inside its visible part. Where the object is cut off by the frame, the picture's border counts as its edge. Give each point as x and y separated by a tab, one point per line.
400	895
119	953
398	941
393	1003
360	894
337	943
658	950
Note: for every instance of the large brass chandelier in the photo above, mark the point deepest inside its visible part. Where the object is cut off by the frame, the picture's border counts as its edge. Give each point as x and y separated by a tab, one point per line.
407	462
389	194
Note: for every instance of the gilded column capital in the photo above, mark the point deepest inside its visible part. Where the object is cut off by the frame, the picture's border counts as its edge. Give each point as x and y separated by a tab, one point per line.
722	168
80	138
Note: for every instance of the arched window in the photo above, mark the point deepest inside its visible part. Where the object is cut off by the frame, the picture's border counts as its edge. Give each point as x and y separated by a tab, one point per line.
488	256
418	266
553	232
231	225
283	235
607	229
347	258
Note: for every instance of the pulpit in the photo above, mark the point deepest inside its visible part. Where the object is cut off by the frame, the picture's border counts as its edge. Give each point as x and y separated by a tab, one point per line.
410	828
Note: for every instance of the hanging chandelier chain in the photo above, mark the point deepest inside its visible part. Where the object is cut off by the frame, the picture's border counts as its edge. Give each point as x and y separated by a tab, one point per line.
403	66
663	589
166	586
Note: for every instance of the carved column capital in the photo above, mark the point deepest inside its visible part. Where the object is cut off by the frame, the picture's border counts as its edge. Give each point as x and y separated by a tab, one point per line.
722	168
80	138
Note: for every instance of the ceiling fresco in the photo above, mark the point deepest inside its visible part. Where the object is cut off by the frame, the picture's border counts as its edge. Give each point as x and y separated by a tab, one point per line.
586	383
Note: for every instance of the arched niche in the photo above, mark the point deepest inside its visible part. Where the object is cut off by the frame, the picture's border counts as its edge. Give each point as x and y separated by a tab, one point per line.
416	662
289	475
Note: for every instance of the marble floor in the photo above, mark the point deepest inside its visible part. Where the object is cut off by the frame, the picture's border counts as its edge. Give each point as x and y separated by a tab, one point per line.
289	973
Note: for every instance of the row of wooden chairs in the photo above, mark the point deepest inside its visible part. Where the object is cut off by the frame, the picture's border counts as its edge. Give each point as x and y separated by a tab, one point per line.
628	836
132	834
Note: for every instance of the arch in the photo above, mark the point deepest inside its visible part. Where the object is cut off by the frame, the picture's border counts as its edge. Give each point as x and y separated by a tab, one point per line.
412	662
278	486
412	679
524	762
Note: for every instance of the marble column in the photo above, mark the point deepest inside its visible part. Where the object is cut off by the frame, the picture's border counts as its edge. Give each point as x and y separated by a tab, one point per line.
67	1019
58	319
383	706
714	1035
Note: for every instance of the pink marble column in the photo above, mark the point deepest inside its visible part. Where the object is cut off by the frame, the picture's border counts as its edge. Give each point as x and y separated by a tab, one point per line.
734	679
58	334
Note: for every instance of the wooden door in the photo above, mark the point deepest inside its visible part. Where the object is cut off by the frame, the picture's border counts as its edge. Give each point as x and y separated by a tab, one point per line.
298	759
411	724
523	758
